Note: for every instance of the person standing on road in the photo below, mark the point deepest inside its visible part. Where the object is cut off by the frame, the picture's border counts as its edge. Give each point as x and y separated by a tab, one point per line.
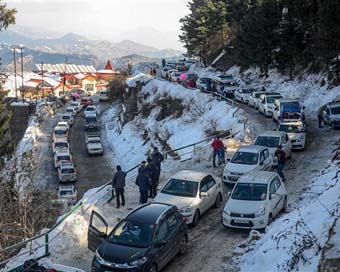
152	172
157	159
221	153
163	62
118	183
281	160
154	71
320	115
217	145
143	182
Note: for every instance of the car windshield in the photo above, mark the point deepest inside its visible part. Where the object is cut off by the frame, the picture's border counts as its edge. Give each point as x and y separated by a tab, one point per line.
67	171
90	109
257	95
61	144
291	105
93	141
271	99
245	158
60	132
63	158
180	187
66	117
66	193
291	128
91	119
335	110
69	110
132	234
247	90
268	141
250	191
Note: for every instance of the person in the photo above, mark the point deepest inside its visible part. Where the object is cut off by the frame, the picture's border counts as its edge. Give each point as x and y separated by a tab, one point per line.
320	115
151	71
221	154
193	83
118	183
152	172
157	159
143	182
163	62
217	145
154	71
281	160
142	166
209	86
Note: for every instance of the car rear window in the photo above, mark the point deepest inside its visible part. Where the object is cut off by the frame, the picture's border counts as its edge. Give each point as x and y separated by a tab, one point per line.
67	171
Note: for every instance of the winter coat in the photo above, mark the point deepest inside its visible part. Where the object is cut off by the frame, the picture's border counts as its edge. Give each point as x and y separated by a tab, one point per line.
321	110
118	180
151	170
143	182
217	144
281	156
157	158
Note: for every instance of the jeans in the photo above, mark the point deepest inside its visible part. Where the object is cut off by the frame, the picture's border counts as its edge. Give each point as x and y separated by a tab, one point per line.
214	157
320	119
221	156
153	188
280	167
120	196
143	197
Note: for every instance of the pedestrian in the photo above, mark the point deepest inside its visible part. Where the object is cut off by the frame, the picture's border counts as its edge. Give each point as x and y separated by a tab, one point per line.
151	71
143	182
142	166
217	145
281	160
193	83
118	183
163	62
157	159
320	115
221	153
152	172
209	86
154	71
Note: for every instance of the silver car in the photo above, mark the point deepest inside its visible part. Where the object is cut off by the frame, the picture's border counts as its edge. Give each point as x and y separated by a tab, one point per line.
67	172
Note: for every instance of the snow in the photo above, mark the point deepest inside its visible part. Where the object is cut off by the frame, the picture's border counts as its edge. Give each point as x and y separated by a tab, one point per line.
19	104
139	77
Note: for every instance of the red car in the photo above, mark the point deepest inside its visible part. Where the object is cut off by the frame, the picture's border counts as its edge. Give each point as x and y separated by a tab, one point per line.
86	101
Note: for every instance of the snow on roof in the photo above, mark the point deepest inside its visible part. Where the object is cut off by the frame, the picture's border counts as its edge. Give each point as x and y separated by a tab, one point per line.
21	104
69	68
31	84
80	76
105	71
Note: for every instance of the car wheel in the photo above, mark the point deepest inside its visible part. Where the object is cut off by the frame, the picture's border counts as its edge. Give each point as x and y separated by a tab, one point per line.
285	204
270	219
153	268
218	201
196	218
183	246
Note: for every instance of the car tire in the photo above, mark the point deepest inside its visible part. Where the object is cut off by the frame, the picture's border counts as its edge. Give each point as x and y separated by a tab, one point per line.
270	219
218	201
285	205
153	268
196	218
183	246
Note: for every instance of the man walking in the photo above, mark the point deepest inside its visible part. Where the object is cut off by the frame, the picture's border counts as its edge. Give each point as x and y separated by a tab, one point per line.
281	160
157	159
118	183
152	172
143	182
217	145
320	115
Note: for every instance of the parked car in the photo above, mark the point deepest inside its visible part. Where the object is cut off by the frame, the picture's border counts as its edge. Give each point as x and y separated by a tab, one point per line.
103	95
145	240
171	72
86	101
296	132
60	144
92	131
77	106
94	146
91	110
68	192
254	99
60	133
266	105
175	76
287	109
91	121
62	155
272	139
67	172
66	117
164	72
331	115
63	124
257	198
242	95
246	159
193	193
72	111
203	83
226	85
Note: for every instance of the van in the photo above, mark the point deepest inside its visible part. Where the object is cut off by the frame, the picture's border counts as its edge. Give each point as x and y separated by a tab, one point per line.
103	95
286	109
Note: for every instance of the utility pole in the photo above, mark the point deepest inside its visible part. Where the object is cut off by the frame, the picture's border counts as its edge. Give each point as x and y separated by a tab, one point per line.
42	80
21	46
64	79
15	73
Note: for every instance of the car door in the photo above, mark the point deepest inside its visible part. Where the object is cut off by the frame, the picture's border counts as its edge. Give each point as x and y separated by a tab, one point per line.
97	231
267	160
212	190
280	192
162	243
274	198
204	200
327	116
287	146
174	227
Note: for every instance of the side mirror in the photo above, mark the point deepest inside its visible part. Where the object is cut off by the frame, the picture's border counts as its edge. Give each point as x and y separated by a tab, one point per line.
203	194
228	159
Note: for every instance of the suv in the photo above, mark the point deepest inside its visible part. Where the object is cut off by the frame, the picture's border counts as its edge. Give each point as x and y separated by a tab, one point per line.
62	155
60	133
67	172
145	240
266	104
69	193
296	132
331	115
94	146
254	99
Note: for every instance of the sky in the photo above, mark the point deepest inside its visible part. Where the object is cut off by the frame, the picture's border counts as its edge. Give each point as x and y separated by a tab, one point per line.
152	22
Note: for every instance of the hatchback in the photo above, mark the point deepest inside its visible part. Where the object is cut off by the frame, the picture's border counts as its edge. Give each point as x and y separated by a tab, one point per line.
60	133
145	240
67	172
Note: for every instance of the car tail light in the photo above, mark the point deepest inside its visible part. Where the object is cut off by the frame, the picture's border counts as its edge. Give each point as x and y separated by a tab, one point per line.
184	219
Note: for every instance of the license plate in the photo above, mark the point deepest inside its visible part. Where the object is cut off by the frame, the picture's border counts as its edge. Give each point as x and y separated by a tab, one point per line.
241	221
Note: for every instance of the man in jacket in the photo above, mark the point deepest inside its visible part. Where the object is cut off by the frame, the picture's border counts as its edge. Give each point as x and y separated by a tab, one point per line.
118	183
152	172
143	182
281	160
217	145
157	159
320	115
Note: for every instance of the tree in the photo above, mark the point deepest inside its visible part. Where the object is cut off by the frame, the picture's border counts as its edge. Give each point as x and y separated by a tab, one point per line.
7	16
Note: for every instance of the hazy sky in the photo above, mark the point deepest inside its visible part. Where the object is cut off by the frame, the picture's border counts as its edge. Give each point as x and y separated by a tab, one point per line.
154	22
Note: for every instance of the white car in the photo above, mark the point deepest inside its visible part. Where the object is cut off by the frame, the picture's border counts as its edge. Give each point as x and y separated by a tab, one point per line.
91	110
67	172
242	95
68	192
63	124
66	117
272	139
72	111
266	104
254	99
165	70
171	72
257	198
77	105
103	95
62	155
175	76
60	133
60	144
246	159
94	146
193	193
296	132
331	114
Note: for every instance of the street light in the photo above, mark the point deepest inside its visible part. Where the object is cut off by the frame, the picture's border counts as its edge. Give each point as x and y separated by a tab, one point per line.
14	48
21	47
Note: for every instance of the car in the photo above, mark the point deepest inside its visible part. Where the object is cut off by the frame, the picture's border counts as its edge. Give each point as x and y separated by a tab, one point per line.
94	146
266	104
91	110
296	131
91	121
246	159
66	117
204	84
164	72
254	99
242	95
226	85
272	139
86	101
68	192
331	114
175	76
60	144
72	111
257	198
146	240
67	172
62	155
63	124
77	105
287	109
171	72
92	131
103	95
193	193
60	133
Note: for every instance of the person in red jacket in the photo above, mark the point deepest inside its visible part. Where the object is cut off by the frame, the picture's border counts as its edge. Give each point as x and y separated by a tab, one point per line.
217	144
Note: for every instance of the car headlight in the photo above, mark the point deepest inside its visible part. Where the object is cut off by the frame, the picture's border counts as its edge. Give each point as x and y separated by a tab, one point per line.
101	260
186	209
260	212
227	212
139	261
300	138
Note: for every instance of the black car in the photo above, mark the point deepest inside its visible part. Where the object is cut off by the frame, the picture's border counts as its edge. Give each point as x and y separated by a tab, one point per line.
144	241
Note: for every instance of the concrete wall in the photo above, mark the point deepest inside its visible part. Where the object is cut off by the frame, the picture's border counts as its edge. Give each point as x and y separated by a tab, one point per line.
19	121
